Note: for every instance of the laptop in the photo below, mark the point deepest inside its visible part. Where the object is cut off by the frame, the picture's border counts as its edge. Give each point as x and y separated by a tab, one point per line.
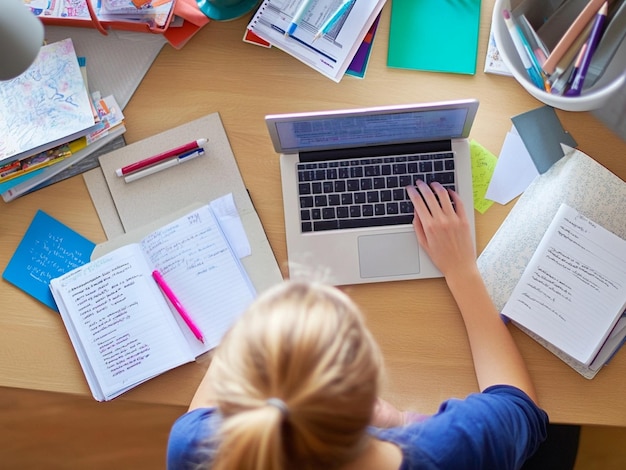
348	219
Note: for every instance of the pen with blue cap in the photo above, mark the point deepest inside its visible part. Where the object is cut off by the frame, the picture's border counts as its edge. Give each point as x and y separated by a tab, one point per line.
333	18
521	50
534	62
182	158
295	20
168	154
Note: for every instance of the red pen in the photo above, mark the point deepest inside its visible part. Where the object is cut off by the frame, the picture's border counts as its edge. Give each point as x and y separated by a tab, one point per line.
177	305
146	162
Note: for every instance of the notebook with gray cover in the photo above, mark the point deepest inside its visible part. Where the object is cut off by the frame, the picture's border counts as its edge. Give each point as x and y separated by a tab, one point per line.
347	216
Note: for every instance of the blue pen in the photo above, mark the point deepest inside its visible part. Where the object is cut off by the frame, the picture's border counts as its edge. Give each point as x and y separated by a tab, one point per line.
332	19
305	44
302	8
537	70
517	42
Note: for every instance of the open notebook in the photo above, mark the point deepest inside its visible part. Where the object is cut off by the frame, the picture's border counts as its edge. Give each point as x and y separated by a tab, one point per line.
125	330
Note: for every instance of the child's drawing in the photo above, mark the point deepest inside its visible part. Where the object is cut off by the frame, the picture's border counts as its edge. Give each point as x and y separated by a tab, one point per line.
46	103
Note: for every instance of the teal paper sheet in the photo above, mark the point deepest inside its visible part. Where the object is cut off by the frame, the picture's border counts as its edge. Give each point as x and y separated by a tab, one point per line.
434	35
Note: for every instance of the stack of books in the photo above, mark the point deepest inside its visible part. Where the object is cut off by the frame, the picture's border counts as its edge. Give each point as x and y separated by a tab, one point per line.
331	36
154	14
567	49
50	122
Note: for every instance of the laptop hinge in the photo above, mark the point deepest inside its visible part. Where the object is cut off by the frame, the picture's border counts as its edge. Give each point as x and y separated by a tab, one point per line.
376	151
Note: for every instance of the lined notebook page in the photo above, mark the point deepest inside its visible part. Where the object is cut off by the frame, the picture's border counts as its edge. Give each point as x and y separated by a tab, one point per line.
120	326
198	264
574	287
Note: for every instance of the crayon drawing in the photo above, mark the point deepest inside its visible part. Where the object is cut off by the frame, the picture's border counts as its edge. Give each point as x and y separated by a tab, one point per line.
46	103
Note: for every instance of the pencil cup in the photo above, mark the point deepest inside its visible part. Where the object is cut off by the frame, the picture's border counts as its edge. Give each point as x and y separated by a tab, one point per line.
225	10
607	86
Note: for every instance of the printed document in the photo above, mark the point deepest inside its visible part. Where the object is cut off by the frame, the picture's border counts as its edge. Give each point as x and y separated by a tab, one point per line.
331	53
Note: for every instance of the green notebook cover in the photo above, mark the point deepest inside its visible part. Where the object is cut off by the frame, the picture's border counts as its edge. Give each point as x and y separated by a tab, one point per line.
434	35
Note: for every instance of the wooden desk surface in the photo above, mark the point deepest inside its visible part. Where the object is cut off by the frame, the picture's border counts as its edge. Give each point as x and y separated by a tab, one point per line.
416	322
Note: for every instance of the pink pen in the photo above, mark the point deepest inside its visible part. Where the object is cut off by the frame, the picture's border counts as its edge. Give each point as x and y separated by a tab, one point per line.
177	305
146	162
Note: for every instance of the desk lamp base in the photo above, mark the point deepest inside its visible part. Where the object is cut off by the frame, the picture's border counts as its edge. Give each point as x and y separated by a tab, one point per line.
225	10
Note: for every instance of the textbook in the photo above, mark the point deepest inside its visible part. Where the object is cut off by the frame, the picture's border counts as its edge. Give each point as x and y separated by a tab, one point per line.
127	329
573	290
39	178
104	137
580	182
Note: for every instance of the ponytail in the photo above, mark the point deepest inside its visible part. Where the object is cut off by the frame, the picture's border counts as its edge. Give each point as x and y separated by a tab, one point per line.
295	381
252	440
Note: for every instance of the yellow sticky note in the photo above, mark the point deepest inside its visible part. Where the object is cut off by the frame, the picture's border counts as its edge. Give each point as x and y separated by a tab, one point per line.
483	164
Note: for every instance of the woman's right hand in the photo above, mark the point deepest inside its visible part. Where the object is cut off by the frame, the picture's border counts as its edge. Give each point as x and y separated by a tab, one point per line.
441	227
445	235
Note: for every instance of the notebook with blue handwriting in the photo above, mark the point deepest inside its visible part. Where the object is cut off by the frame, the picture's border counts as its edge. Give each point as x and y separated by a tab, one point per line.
48	250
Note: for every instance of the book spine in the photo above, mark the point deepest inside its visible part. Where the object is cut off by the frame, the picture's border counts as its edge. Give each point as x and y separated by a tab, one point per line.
27	186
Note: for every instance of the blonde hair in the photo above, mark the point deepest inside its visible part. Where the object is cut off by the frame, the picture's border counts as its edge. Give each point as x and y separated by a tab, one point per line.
304	346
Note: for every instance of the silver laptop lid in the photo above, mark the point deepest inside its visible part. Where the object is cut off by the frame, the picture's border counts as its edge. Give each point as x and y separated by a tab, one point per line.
298	132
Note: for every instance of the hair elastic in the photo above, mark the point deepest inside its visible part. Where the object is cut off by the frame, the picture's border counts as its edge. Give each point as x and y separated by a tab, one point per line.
278	403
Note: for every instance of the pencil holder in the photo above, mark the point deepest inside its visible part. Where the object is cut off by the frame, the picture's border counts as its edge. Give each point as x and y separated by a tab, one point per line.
611	82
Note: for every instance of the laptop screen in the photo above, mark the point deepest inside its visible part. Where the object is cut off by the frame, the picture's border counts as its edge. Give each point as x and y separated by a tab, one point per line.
319	131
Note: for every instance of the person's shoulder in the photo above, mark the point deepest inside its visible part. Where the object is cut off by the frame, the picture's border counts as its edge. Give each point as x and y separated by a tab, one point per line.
505	390
194	417
189	437
494	403
500	425
504	396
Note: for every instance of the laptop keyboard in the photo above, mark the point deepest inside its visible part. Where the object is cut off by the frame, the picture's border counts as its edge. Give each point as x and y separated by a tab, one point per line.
366	192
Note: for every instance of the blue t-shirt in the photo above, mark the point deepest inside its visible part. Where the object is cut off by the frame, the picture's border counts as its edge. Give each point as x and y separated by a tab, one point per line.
498	428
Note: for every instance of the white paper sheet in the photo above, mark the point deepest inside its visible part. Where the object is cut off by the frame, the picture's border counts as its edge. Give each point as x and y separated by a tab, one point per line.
514	171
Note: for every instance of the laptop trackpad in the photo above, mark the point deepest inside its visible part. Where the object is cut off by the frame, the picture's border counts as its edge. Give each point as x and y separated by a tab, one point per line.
389	254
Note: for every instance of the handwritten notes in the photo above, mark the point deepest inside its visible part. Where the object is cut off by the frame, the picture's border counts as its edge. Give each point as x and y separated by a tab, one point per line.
127	333
197	262
573	290
48	250
123	328
46	105
483	164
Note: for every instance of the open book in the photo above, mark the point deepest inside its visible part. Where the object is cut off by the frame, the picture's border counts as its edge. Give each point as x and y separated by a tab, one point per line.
573	291
578	181
121	325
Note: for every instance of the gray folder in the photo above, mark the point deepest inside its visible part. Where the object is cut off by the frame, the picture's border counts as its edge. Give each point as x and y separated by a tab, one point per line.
141	206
